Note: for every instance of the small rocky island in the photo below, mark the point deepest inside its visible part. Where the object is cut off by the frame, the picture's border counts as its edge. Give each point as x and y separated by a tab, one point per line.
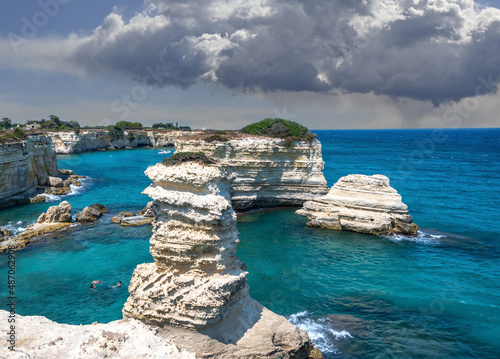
359	203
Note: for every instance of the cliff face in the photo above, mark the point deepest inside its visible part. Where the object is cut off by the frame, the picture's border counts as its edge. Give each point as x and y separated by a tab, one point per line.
196	281
267	172
359	203
25	165
70	142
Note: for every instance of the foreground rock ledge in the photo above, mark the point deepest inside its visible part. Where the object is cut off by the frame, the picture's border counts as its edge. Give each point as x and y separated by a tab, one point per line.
359	203
39	337
197	282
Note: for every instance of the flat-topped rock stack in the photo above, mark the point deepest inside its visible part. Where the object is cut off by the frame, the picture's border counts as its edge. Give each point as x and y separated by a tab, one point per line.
268	171
359	203
197	283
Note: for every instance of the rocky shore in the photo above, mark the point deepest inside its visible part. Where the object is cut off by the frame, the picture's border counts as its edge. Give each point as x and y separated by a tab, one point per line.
359	203
56	218
268	172
193	301
29	168
68	142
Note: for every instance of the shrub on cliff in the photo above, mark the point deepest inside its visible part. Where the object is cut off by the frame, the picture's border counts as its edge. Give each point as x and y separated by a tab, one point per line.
115	132
129	125
280	128
181	157
276	127
19	134
213	138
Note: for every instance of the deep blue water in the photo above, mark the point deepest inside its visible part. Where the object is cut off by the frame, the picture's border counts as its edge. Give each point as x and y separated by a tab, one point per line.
358	296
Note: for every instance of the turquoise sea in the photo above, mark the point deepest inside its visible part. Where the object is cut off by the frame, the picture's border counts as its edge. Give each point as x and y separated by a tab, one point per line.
358	296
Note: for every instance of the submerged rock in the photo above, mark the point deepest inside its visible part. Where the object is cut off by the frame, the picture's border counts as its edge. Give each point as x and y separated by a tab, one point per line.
196	288
92	213
359	203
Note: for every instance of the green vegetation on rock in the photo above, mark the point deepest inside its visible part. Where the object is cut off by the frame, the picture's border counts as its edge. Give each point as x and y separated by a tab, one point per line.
213	138
115	132
19	134
129	125
181	157
280	128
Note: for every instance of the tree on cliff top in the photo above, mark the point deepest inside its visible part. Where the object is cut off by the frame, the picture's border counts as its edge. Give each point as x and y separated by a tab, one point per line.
129	125
6	122
279	128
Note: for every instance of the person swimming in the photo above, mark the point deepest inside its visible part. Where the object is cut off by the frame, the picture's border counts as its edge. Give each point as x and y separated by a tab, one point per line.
92	286
96	282
119	283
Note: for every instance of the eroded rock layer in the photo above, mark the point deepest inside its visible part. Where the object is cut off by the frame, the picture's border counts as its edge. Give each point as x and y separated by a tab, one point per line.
196	278
196	288
268	173
359	203
25	165
93	140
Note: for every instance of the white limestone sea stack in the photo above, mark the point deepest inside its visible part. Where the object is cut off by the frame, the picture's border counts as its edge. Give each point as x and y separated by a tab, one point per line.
359	203
268	172
196	288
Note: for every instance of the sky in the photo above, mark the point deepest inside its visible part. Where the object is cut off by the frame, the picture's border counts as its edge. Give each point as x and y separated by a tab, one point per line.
328	64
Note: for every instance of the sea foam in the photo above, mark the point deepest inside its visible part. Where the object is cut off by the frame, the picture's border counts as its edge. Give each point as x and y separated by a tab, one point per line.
321	331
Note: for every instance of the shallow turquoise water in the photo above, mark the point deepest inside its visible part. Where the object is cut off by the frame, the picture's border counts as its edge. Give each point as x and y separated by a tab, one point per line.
358	296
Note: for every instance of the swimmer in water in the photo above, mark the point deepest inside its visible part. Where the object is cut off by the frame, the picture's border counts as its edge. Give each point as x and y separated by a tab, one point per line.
92	286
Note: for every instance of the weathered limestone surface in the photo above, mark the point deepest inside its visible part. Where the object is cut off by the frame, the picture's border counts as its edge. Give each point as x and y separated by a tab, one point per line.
359	203
55	219
196	281
25	165
57	214
86	140
39	337
267	172
91	213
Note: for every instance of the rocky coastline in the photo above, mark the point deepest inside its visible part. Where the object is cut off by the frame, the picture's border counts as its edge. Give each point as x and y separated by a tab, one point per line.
29	170
70	142
193	301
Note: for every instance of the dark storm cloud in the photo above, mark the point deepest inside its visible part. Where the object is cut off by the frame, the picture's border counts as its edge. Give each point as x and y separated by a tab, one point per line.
429	51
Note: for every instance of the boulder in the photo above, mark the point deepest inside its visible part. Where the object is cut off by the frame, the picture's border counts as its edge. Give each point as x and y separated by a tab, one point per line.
118	218
57	214
54	181
91	213
359	203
